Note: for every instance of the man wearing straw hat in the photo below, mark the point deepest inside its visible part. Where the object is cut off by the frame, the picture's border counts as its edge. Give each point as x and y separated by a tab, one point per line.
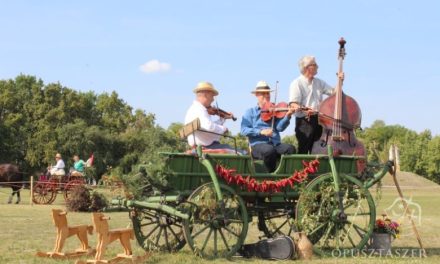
58	169
264	138
205	93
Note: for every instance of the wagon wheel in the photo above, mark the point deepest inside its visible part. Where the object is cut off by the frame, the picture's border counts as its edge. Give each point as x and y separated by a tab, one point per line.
44	193
319	216
158	231
277	223
70	186
216	228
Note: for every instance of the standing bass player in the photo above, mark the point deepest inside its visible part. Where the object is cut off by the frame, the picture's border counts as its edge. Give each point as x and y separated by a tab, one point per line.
308	92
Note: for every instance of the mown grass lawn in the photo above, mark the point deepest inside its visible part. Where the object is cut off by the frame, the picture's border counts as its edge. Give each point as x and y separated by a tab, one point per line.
26	229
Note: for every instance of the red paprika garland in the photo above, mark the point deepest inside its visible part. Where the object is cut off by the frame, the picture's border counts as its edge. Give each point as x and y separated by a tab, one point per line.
230	176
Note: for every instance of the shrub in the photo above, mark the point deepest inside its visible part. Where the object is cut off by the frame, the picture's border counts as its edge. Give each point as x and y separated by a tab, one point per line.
80	200
98	202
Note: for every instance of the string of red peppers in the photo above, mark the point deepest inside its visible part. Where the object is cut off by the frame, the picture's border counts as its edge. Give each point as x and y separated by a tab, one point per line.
230	176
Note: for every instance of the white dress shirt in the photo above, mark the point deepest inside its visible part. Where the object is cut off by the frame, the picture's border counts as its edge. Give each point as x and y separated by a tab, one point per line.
58	169
308	94
197	110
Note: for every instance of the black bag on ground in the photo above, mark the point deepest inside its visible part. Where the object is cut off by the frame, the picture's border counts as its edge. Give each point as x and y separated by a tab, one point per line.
279	248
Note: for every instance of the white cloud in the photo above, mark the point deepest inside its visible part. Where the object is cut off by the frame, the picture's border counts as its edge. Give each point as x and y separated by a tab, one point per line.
153	66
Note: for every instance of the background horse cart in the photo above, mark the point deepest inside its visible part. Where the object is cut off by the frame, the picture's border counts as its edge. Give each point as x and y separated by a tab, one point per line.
210	199
45	191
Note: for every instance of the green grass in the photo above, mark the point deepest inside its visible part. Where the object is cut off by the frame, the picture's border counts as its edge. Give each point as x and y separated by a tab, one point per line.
26	229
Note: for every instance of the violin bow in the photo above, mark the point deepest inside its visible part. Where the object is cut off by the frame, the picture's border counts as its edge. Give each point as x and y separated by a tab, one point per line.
275	103
216	104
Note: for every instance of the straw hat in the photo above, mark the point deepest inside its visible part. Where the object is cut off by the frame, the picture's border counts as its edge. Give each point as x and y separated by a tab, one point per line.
205	86
58	155
262	87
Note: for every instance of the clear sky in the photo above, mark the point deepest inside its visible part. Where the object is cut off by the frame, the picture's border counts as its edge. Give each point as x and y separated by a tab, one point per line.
153	53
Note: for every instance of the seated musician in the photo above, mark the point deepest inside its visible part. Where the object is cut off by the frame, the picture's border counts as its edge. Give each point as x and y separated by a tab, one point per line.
78	166
200	108
308	91
264	138
58	169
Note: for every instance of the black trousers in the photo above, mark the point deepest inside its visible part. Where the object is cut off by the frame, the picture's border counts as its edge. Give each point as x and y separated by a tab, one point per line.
307	131
270	153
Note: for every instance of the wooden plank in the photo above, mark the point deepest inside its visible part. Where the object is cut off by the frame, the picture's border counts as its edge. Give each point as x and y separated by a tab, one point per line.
189	128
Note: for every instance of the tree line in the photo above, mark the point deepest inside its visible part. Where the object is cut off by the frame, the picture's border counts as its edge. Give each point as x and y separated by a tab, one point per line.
38	120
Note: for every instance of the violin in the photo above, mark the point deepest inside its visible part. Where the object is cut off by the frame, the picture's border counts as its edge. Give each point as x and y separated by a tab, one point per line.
221	113
270	111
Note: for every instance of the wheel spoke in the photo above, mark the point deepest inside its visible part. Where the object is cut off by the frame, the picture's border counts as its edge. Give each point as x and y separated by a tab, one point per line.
174	234
175	224
158	237
200	231
278	229
166	238
147	213
207	239
349	238
215	242
150	223
337	237
274	216
348	205
327	233
317	228
230	231
224	239
151	232
357	227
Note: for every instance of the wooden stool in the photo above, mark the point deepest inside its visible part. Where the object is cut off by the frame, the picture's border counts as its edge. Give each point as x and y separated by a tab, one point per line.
63	232
106	236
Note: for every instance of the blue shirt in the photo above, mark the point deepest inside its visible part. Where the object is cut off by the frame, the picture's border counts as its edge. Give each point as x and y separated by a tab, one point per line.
251	125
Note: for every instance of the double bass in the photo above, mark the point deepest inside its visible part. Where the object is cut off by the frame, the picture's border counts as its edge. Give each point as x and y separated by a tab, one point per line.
340	115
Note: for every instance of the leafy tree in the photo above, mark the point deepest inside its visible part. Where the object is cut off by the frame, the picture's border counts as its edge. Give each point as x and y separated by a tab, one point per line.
432	157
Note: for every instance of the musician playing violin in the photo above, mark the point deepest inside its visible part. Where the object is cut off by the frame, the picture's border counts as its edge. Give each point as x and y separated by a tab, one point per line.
201	108
307	92
264	135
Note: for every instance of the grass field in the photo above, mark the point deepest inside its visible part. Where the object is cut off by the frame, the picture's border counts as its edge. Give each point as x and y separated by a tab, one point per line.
26	229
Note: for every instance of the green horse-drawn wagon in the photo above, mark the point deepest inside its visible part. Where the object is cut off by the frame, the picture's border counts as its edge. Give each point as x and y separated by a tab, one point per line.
210	200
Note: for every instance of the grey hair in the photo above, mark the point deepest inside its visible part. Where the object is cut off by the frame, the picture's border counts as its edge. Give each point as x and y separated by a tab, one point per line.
305	61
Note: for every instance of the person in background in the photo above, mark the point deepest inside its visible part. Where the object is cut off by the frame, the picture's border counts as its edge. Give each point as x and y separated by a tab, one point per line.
264	139
205	93
58	168
307	92
78	166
